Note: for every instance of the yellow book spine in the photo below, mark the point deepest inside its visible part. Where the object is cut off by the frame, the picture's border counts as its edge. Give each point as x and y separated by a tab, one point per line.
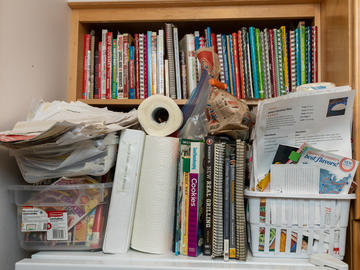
186	181
285	60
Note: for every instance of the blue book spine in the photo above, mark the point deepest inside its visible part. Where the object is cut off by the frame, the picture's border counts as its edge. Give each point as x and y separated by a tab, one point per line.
131	59
208	31
253	61
232	65
197	41
149	67
225	61
298	62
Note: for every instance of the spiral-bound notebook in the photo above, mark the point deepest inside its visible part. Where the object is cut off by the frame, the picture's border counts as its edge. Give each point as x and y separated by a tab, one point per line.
240	221
218	230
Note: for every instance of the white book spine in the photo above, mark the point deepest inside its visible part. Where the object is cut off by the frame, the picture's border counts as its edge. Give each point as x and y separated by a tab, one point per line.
167	83
160	62
177	63
293	60
141	65
88	80
267	61
124	192
103	64
219	48
119	78
188	45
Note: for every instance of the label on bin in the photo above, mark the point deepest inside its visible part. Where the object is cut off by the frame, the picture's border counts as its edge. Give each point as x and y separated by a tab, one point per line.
57	227
33	219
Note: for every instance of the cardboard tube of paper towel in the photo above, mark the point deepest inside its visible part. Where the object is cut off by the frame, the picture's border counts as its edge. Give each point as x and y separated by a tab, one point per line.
159	115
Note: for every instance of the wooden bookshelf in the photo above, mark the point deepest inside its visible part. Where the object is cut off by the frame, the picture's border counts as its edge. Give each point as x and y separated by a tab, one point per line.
339	55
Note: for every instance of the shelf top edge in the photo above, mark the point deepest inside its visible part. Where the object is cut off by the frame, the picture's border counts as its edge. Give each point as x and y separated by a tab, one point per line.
88	4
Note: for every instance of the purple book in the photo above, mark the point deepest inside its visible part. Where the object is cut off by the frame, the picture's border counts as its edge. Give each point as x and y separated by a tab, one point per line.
193	214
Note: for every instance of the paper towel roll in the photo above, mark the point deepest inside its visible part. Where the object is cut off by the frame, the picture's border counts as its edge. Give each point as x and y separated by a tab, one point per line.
154	216
159	115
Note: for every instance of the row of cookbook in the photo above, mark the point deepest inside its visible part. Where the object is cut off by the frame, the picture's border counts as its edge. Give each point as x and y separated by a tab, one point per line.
254	63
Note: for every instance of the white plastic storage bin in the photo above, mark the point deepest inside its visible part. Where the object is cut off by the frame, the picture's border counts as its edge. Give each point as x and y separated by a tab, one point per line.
276	223
62	217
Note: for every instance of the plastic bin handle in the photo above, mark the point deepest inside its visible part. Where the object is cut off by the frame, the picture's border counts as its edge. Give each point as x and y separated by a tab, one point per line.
328	261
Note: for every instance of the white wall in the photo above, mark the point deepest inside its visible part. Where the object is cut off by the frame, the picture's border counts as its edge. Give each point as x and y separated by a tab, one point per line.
34	53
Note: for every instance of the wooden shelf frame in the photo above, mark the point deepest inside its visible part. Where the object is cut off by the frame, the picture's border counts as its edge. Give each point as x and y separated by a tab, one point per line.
85	14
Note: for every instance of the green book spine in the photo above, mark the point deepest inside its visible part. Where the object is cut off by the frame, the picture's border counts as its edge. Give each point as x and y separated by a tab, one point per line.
302	52
259	63
114	70
277	70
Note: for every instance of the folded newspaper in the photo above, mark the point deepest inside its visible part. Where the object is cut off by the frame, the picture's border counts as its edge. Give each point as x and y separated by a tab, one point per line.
66	139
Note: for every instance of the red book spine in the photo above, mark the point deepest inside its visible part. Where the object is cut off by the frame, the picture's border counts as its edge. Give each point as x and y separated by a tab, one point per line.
146	88
272	60
108	65
213	42
241	68
87	38
99	72
137	65
315	53
202	42
126	65
236	65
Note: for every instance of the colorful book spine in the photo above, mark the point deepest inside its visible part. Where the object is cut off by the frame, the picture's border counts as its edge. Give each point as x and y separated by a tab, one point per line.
120	77
149	61
103	63
227	204
195	197
96	75
293	60
141	65
240	65
131	72
268	67
114	69
153	63
208	36
209	178
197	46
259	63
264	66
248	57
285	58
233	228
230	63
298	56
277	65
308	54
99	70
236	65
185	218
221	60
109	65
273	63
302	51
137	67
314	54
246	74
86	70
187	44
183	74
177	63
92	65
126	44
213	42
254	62
226	63
280	60
146	90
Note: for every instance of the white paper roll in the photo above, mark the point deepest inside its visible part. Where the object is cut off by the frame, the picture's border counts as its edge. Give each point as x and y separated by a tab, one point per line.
159	115
154	215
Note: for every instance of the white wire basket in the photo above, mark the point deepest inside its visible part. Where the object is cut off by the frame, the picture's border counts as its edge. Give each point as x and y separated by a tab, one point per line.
297	225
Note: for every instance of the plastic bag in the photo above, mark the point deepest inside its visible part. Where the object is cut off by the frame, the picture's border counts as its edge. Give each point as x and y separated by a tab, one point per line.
194	111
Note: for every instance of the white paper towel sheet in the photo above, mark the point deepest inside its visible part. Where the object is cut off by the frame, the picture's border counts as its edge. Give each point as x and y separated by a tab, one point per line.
159	115
154	215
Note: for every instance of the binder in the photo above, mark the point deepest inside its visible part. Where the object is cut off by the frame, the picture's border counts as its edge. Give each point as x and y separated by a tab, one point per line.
124	192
